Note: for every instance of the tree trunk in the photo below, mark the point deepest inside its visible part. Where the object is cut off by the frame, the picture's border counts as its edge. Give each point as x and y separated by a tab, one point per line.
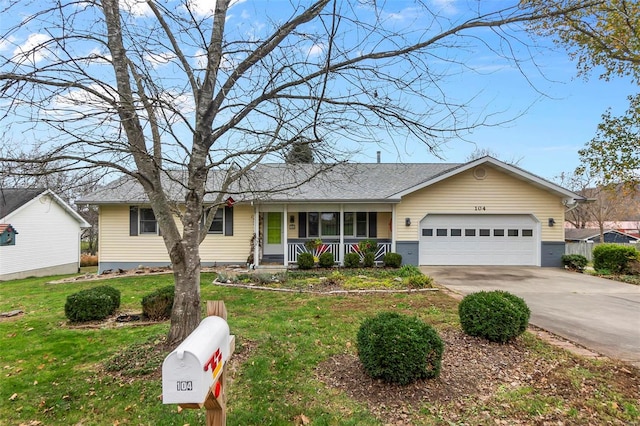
185	315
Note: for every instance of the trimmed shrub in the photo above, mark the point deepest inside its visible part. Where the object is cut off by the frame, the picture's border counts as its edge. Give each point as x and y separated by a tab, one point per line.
305	261
574	262
92	304
351	260
613	257
157	305
497	316
369	260
408	270
399	349
419	281
325	260
392	260
113	293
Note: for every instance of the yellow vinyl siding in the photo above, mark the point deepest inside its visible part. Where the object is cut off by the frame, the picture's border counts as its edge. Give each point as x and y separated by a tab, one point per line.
116	245
233	248
383	221
498	193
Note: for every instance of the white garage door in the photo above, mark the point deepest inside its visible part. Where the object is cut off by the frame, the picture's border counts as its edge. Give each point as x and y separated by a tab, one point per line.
479	240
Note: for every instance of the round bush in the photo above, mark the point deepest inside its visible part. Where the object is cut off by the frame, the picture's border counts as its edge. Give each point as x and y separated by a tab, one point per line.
369	260
392	260
157	306
574	262
351	260
613	257
90	304
113	293
305	261
399	349
325	260
497	316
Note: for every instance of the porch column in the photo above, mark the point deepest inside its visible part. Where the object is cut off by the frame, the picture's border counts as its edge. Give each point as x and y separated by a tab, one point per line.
341	245
393	228
285	220
256	240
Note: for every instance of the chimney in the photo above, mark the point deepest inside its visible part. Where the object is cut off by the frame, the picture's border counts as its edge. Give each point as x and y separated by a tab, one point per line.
378	156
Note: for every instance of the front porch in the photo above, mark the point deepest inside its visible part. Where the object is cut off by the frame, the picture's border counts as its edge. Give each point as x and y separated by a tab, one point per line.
295	247
286	231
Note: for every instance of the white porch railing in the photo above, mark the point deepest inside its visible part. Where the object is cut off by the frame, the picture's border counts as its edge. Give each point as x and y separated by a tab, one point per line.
294	249
381	250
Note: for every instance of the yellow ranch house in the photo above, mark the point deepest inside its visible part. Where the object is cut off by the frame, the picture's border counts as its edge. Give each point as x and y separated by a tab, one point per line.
484	212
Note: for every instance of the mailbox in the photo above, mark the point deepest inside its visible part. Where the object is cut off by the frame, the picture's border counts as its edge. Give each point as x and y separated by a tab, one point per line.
194	366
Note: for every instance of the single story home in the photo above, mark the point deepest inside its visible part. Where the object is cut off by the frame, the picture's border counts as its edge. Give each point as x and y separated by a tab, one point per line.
592	235
39	234
484	212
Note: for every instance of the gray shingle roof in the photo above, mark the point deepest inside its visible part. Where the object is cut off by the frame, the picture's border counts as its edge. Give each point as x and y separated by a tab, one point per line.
289	182
574	234
11	199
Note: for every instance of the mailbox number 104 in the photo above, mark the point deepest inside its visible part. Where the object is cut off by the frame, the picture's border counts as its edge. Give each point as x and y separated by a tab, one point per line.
184	385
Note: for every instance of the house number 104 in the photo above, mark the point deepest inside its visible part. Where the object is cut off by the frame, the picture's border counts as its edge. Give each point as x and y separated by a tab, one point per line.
480	208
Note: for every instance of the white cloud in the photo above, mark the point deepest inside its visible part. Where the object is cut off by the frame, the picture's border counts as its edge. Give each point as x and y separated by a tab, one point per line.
159	59
408	13
98	57
33	50
206	7
136	7
316	50
7	43
446	6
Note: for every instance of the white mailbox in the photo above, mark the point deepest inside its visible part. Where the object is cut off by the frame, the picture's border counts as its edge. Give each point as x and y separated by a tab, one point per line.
194	366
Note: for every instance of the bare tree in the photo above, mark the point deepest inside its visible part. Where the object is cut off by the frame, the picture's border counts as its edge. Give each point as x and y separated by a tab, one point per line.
483	152
605	203
145	87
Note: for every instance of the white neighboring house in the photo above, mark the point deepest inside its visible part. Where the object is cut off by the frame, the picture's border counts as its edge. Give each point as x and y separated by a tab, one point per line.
39	234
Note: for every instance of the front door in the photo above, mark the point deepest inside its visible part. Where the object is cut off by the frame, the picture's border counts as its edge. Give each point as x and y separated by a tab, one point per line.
273	238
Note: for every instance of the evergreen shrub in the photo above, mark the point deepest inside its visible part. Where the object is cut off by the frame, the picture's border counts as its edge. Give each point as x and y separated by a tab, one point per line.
351	260
615	258
392	260
574	262
92	304
497	316
369	260
399	349
157	305
325	260
305	261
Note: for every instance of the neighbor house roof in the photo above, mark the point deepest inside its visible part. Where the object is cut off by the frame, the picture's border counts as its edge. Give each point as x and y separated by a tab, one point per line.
585	234
344	182
12	200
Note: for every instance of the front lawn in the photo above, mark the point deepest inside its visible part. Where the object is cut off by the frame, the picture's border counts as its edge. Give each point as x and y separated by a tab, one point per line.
295	363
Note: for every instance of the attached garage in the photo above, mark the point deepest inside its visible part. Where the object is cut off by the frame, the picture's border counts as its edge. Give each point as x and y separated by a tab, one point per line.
482	239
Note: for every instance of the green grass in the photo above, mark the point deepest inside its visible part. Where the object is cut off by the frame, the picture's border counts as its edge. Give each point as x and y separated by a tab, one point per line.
57	375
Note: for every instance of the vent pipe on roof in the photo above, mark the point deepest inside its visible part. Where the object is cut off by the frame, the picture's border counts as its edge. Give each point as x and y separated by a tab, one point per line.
378	156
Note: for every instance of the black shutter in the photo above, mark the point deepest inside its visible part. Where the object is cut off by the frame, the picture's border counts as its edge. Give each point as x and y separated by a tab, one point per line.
373	224
133	221
302	225
228	221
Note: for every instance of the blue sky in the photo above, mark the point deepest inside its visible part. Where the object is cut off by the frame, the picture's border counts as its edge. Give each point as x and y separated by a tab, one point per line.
548	123
547	137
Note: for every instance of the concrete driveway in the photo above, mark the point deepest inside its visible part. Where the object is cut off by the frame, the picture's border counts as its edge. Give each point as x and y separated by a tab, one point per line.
599	314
